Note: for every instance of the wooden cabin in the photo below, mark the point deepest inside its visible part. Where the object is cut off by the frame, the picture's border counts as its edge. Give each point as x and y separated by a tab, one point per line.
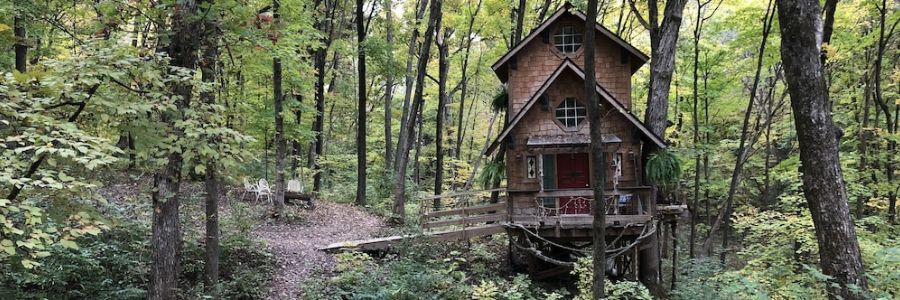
546	138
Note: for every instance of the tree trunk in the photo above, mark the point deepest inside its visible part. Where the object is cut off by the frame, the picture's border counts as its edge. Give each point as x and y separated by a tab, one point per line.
389	90
211	261
361	107
21	46
443	68
464	82
743	151
406	115
326	25
598	154
664	41
208	63
166	226
520	18
823	183
280	144
404	144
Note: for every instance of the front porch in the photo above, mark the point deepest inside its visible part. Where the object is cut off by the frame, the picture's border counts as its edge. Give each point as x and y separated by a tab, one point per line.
571	208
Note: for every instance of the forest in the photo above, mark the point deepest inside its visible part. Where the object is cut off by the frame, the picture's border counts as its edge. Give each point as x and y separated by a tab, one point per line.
395	149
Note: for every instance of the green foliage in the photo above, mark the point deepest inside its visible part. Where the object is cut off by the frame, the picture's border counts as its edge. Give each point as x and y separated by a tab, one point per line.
584	270
116	264
426	271
492	172
663	167
500	101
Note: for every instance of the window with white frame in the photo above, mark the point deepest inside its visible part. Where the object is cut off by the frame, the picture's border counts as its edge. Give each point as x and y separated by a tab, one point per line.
570	113
567	39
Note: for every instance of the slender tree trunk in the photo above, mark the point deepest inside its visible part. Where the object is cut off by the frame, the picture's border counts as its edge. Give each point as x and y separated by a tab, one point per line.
480	158
326	25
520	19
208	63
280	141
823	183
406	115
296	147
828	26
361	107
211	262
692	205
280	144
443	70
166	226
399	210
743	151
464	82
389	90
21	46
598	154
864	138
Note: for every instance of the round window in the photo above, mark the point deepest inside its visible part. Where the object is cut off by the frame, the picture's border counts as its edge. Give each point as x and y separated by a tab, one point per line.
570	113
567	39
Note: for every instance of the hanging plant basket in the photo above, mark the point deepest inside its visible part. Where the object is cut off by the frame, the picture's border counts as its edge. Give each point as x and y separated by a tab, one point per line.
663	168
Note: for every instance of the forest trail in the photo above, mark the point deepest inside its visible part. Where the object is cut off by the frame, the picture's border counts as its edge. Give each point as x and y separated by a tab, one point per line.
295	247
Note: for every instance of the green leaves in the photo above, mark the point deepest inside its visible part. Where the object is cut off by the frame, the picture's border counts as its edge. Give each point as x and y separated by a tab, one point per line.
663	167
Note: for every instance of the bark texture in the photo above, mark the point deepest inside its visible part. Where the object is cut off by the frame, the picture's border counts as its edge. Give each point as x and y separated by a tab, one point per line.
208	63
361	107
823	185
166	227
403	147
598	167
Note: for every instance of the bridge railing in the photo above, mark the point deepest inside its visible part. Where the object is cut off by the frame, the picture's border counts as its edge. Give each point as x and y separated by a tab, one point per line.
463	210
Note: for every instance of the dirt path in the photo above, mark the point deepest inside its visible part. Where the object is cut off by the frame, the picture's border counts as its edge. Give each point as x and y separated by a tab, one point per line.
294	246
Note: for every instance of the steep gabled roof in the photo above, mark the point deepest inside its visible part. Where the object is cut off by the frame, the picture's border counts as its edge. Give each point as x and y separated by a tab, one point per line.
568	64
567	9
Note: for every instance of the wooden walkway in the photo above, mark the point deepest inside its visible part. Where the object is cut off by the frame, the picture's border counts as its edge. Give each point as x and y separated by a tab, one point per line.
381	244
461	221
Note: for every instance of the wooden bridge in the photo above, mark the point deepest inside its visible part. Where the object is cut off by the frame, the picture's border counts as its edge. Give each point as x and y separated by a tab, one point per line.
461	216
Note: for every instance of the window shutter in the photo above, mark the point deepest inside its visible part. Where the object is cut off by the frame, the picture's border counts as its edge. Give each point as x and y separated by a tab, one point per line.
548	171
548	178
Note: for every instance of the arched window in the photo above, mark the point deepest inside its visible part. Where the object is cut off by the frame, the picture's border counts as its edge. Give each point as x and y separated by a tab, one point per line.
570	113
567	39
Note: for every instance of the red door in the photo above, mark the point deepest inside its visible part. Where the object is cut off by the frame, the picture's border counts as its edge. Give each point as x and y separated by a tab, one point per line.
573	172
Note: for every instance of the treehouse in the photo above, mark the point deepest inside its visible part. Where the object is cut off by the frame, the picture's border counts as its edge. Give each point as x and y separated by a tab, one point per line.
546	139
546	142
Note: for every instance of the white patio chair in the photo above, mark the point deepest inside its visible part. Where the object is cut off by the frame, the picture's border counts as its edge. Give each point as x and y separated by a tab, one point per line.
263	190
248	188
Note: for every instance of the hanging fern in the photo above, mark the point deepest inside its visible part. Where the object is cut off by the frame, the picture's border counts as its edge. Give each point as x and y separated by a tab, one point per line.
663	167
492	172
501	100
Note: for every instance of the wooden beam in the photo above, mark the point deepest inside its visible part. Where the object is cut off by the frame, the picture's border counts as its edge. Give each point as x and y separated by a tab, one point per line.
385	243
466	220
468	210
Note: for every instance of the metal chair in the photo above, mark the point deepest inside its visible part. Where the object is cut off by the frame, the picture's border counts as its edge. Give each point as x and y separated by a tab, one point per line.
248	188
263	190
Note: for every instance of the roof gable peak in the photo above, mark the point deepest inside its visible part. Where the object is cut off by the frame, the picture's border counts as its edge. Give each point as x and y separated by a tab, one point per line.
568	9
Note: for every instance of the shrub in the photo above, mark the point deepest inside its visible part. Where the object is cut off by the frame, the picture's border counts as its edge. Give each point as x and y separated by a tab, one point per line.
116	265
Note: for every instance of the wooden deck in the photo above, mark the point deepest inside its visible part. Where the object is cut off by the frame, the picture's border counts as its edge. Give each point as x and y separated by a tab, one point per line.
577	221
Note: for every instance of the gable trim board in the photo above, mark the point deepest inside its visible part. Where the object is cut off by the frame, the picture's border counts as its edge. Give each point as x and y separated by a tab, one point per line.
568	64
567	8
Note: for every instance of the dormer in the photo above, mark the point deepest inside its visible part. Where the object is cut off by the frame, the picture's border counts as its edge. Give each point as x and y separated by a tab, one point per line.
524	68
